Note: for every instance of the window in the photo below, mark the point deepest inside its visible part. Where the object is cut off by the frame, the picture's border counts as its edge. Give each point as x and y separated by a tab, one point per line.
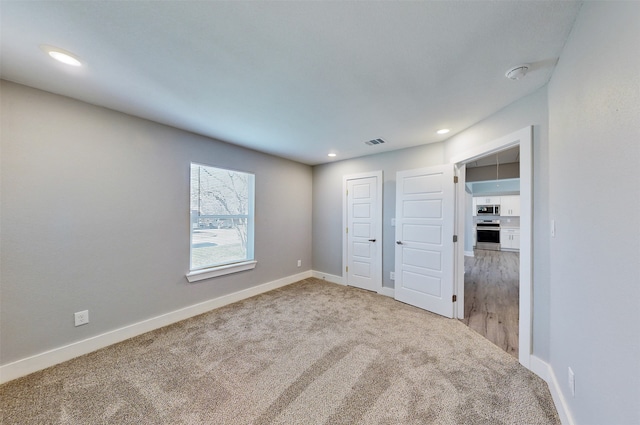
222	205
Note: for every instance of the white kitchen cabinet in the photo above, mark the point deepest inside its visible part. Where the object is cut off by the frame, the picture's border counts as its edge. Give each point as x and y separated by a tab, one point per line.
510	205
487	200
510	239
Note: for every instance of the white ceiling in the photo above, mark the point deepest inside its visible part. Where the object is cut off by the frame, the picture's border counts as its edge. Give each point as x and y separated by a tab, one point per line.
294	79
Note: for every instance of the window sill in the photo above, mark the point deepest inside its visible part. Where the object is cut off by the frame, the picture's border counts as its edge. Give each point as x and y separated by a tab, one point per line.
197	275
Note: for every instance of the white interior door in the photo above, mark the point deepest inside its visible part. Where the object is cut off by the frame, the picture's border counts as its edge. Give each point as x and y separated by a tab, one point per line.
364	233
424	238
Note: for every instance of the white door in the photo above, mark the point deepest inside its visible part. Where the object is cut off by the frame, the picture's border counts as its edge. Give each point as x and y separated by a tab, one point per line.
424	238
364	233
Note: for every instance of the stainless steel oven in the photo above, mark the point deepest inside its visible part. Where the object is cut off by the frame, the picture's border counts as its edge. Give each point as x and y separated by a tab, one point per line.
488	234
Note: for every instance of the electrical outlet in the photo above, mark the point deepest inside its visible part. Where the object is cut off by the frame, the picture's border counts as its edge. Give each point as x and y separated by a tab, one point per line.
572	382
392	276
299	263
393	222
81	317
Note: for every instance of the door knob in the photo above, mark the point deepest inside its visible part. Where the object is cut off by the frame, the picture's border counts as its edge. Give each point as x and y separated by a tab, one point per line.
399	242
372	240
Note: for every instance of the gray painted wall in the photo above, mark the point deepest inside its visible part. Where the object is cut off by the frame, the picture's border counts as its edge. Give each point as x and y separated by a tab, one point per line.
594	128
95	215
327	196
327	203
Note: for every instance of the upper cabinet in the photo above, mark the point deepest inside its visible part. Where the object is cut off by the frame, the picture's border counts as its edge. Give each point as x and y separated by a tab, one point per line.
510	205
487	200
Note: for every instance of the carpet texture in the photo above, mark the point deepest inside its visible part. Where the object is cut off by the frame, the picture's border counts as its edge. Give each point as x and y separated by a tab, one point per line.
309	353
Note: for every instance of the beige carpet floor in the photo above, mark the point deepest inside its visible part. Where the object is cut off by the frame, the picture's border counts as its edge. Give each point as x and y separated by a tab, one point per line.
309	353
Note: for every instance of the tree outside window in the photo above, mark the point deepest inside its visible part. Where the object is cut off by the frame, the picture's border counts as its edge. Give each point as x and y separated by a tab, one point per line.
221	216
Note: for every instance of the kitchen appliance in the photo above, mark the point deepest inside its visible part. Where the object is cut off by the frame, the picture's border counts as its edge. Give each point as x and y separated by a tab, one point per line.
488	210
488	234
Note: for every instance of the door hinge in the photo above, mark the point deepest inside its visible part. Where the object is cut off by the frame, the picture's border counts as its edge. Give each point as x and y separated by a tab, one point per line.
455	179
347	230
454	298
455	238
347	269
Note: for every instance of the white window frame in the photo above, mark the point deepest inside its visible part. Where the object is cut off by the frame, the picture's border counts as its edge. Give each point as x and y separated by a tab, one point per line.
195	275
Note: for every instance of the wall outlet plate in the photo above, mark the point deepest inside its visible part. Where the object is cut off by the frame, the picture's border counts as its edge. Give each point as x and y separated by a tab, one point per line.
392	275
81	317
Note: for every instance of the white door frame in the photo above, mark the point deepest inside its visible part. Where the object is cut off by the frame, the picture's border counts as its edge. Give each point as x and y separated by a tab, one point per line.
345	244
524	138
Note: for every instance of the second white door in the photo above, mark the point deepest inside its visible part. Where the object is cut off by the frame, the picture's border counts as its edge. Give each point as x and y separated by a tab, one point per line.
363	233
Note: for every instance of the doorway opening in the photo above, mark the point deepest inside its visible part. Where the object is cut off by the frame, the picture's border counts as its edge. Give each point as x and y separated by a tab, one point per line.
523	140
492	262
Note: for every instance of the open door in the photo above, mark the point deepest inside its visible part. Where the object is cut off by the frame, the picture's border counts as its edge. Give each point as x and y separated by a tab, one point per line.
424	238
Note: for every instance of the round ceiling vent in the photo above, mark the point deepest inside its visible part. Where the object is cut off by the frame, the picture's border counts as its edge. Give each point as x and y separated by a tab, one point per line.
517	72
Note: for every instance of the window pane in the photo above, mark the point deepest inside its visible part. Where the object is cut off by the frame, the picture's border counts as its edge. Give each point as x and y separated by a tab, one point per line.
221	216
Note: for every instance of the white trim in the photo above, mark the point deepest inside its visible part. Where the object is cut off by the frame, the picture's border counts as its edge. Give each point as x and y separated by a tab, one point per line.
460	195
523	138
494	146
198	275
378	230
469	254
49	358
544	371
387	292
328	277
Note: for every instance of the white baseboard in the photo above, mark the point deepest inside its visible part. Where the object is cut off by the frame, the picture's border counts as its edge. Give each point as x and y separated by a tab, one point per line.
328	277
49	358
469	254
544	371
389	292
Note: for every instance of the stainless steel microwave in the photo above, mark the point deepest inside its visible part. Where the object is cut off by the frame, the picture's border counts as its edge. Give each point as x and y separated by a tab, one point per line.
488	210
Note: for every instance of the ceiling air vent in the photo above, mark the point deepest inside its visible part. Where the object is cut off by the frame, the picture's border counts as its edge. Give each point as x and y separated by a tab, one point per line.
375	142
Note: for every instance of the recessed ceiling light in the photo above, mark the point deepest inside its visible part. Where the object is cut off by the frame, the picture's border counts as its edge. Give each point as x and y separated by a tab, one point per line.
331	155
61	55
443	131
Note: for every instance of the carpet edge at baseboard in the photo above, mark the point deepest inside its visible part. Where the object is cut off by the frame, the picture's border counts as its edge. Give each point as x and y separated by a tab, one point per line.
40	361
545	371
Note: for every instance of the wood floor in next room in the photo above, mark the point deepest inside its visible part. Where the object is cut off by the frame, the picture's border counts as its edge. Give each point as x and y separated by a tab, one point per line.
491	292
